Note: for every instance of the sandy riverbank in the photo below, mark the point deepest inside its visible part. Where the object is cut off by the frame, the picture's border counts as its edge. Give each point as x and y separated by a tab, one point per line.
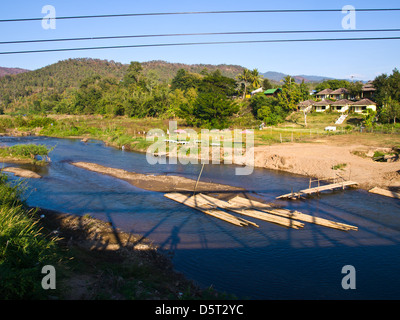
160	183
19	172
318	160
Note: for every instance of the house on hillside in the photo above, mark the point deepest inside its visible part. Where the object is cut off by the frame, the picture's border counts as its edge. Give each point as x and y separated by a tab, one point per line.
368	91
272	92
341	105
324	94
339	94
305	105
322	106
363	105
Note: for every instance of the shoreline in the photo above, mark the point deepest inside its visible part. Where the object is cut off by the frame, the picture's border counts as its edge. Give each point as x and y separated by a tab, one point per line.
162	183
108	254
313	160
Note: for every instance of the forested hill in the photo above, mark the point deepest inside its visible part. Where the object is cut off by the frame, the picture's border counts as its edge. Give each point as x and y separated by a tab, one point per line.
70	73
59	76
167	70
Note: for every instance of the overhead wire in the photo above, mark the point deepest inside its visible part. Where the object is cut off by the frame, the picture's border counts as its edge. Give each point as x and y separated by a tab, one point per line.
201	13
198	43
198	34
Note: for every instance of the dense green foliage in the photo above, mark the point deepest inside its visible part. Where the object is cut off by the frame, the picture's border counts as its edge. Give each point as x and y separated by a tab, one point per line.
273	110
202	95
388	96
24	250
24	151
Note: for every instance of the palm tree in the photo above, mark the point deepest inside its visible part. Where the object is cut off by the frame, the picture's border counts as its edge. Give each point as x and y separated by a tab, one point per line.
255	78
245	78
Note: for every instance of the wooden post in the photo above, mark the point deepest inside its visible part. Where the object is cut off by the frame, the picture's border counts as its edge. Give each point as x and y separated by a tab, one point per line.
195	186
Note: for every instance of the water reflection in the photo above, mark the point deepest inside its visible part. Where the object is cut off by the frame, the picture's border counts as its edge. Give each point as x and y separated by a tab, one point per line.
270	262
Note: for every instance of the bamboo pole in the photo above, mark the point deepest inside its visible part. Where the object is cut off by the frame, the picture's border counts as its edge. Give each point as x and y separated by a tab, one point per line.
291	214
282	221
190	202
198	179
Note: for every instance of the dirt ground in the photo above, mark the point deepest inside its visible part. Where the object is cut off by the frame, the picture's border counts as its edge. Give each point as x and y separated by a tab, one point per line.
330	158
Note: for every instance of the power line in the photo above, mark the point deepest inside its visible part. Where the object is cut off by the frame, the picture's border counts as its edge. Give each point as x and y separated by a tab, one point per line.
198	34
198	43
201	13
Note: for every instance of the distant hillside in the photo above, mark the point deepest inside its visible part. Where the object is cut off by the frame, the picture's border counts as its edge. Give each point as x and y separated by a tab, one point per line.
167	70
70	73
11	71
59	76
278	76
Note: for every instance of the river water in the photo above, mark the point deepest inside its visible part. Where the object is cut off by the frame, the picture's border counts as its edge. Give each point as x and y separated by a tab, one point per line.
270	262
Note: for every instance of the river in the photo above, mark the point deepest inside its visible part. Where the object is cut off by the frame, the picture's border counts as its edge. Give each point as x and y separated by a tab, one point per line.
270	262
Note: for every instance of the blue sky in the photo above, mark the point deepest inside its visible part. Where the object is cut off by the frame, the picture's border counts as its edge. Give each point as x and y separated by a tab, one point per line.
362	59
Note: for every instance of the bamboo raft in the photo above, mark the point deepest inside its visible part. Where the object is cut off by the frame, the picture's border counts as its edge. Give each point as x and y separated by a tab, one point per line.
310	191
254	209
248	203
197	203
384	192
283	221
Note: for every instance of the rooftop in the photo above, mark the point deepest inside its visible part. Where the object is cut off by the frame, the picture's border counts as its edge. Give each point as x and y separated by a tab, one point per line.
343	102
325	91
364	102
340	91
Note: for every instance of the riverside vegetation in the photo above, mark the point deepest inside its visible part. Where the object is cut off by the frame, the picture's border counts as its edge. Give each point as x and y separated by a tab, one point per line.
88	266
117	104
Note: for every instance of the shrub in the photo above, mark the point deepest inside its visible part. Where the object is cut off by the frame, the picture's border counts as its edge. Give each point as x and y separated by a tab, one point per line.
24	250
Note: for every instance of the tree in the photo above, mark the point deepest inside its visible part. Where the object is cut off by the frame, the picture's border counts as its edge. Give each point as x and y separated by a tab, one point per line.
255	78
133	74
184	80
304	91
355	89
217	83
266	84
266	109
332	84
245	79
387	96
369	117
213	110
390	110
290	96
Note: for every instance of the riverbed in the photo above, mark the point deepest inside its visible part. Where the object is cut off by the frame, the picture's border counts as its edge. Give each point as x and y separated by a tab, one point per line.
270	262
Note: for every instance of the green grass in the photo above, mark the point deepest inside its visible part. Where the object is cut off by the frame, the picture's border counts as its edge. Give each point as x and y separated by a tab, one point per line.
24	249
339	166
24	151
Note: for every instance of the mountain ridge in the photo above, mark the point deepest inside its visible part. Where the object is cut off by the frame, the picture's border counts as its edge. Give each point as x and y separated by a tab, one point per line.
167	70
